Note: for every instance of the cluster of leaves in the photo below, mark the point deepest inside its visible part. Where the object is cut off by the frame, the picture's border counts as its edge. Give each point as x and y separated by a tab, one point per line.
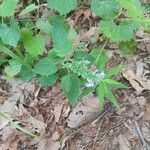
23	50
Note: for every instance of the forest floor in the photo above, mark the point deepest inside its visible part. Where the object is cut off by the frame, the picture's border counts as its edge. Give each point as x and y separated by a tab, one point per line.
46	112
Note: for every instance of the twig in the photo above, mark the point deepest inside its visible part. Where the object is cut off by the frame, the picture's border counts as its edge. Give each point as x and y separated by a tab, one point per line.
140	40
97	133
140	134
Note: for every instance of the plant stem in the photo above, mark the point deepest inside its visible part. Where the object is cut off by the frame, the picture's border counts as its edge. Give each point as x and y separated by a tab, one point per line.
102	49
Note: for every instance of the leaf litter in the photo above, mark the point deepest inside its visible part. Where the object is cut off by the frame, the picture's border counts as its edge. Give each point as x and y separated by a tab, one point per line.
48	114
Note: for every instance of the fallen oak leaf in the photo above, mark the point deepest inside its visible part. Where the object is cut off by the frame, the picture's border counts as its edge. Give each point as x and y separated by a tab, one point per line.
86	14
146	116
137	82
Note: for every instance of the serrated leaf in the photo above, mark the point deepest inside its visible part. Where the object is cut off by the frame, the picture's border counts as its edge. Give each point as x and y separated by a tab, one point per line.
122	32
26	74
101	91
48	80
9	35
83	55
133	8
34	45
114	84
61	44
62	6
107	9
128	47
60	21
112	99
14	24
13	69
44	26
114	71
7	8
45	67
71	86
29	9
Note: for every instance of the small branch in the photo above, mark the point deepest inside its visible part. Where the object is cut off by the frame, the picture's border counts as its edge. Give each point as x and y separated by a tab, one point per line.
140	134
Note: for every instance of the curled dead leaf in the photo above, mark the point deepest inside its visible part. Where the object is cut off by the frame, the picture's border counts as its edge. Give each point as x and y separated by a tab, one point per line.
137	82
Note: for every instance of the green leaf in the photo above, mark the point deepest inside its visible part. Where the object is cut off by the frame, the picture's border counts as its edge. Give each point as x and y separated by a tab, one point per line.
7	8
62	6
101	59
9	35
114	71
86	91
133	7
33	45
128	47
13	69
48	80
2	61
107	9
101	91
14	24
122	32
13	55
71	86
29	9
72	34
44	26
60	21
45	67
114	84
112	99
26	74
83	55
61	44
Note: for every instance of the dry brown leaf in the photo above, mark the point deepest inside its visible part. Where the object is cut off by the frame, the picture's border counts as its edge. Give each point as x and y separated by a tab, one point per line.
58	112
48	144
138	83
66	111
147	113
86	14
123	143
141	100
146	132
86	35
56	136
3	122
11	144
85	111
36	124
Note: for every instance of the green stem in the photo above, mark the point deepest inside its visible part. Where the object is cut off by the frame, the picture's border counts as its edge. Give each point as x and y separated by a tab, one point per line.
15	125
102	49
14	56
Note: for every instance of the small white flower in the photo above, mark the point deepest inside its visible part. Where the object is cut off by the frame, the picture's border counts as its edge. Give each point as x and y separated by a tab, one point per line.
101	75
90	83
87	62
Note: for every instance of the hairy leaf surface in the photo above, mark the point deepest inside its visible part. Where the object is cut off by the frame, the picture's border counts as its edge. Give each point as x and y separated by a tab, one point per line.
71	86
7	8
62	6
107	9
